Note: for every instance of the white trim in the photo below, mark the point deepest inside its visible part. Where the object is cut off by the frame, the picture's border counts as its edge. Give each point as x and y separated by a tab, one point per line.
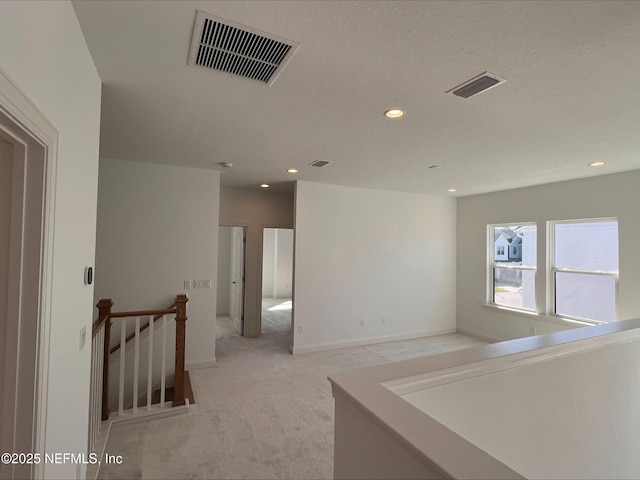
415	383
321	347
16	105
157	411
511	309
555	319
552	270
200	365
492	264
99	449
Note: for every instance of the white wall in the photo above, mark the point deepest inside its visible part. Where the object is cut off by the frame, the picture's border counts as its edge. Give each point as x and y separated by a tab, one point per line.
364	254
615	195
268	261
43	51
277	263
284	263
256	210
157	227
224	266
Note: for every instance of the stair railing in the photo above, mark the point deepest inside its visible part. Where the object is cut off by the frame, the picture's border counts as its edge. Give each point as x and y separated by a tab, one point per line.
102	348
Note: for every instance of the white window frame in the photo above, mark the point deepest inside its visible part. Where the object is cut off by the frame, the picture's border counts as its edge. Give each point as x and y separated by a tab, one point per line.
552	270
491	266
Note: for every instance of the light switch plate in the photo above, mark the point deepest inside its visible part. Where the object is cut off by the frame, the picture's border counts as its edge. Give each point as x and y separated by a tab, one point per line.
83	337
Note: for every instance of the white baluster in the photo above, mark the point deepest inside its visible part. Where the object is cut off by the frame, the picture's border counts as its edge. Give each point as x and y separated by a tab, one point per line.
136	365
123	338
96	393
164	360
150	366
92	395
94	390
100	353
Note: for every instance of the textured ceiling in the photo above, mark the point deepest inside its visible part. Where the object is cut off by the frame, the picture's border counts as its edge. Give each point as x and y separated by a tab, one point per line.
571	97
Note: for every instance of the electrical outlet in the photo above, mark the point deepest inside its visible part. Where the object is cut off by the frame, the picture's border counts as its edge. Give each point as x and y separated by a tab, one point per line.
532	330
300	328
362	322
384	320
187	284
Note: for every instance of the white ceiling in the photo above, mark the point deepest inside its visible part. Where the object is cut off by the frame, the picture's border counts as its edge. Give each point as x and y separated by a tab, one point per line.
571	97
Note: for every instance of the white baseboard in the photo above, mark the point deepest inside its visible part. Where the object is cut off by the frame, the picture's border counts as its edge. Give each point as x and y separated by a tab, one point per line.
199	365
480	336
101	443
369	341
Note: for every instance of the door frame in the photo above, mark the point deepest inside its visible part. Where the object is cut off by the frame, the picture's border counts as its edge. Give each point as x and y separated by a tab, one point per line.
23	116
260	273
244	266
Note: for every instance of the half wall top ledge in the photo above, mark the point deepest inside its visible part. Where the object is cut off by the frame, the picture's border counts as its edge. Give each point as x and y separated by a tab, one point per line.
480	412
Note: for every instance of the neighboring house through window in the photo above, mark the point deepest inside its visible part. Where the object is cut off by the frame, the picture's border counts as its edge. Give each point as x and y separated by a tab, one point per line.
512	266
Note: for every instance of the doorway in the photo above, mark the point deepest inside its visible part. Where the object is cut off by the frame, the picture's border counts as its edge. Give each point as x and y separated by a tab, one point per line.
277	283
6	164
27	164
230	285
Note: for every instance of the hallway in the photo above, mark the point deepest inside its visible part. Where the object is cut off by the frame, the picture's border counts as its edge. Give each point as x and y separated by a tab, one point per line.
261	413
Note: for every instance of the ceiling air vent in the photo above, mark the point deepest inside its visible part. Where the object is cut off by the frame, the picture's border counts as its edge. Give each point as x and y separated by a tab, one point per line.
477	85
319	163
235	49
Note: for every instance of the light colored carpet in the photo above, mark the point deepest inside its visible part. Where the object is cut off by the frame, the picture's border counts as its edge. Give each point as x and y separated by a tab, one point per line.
261	413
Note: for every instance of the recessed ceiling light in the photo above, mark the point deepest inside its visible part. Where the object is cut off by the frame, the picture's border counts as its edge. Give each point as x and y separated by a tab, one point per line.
292	170
265	185
452	190
596	164
394	113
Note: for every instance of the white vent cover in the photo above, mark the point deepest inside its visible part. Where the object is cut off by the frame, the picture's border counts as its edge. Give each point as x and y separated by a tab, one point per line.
477	85
320	163
235	49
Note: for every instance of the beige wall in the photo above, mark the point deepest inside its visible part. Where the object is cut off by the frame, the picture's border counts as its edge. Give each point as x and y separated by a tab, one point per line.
614	195
255	210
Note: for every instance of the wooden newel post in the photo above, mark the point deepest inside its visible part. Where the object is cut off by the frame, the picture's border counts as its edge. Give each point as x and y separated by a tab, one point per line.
181	320
104	310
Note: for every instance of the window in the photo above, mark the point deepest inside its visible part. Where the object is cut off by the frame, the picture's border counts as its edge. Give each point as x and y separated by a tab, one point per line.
584	269
512	266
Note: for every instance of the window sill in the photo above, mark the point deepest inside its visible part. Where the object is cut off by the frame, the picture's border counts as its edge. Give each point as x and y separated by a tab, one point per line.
505	309
550	318
574	321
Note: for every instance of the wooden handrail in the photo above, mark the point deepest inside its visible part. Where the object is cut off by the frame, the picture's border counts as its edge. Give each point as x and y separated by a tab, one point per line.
103	315
179	308
158	315
104	308
143	313
181	320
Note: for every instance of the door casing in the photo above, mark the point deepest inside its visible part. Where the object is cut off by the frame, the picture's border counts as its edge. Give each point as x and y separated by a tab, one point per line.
29	291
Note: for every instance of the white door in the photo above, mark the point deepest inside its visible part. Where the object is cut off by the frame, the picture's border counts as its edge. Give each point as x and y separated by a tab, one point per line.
236	295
